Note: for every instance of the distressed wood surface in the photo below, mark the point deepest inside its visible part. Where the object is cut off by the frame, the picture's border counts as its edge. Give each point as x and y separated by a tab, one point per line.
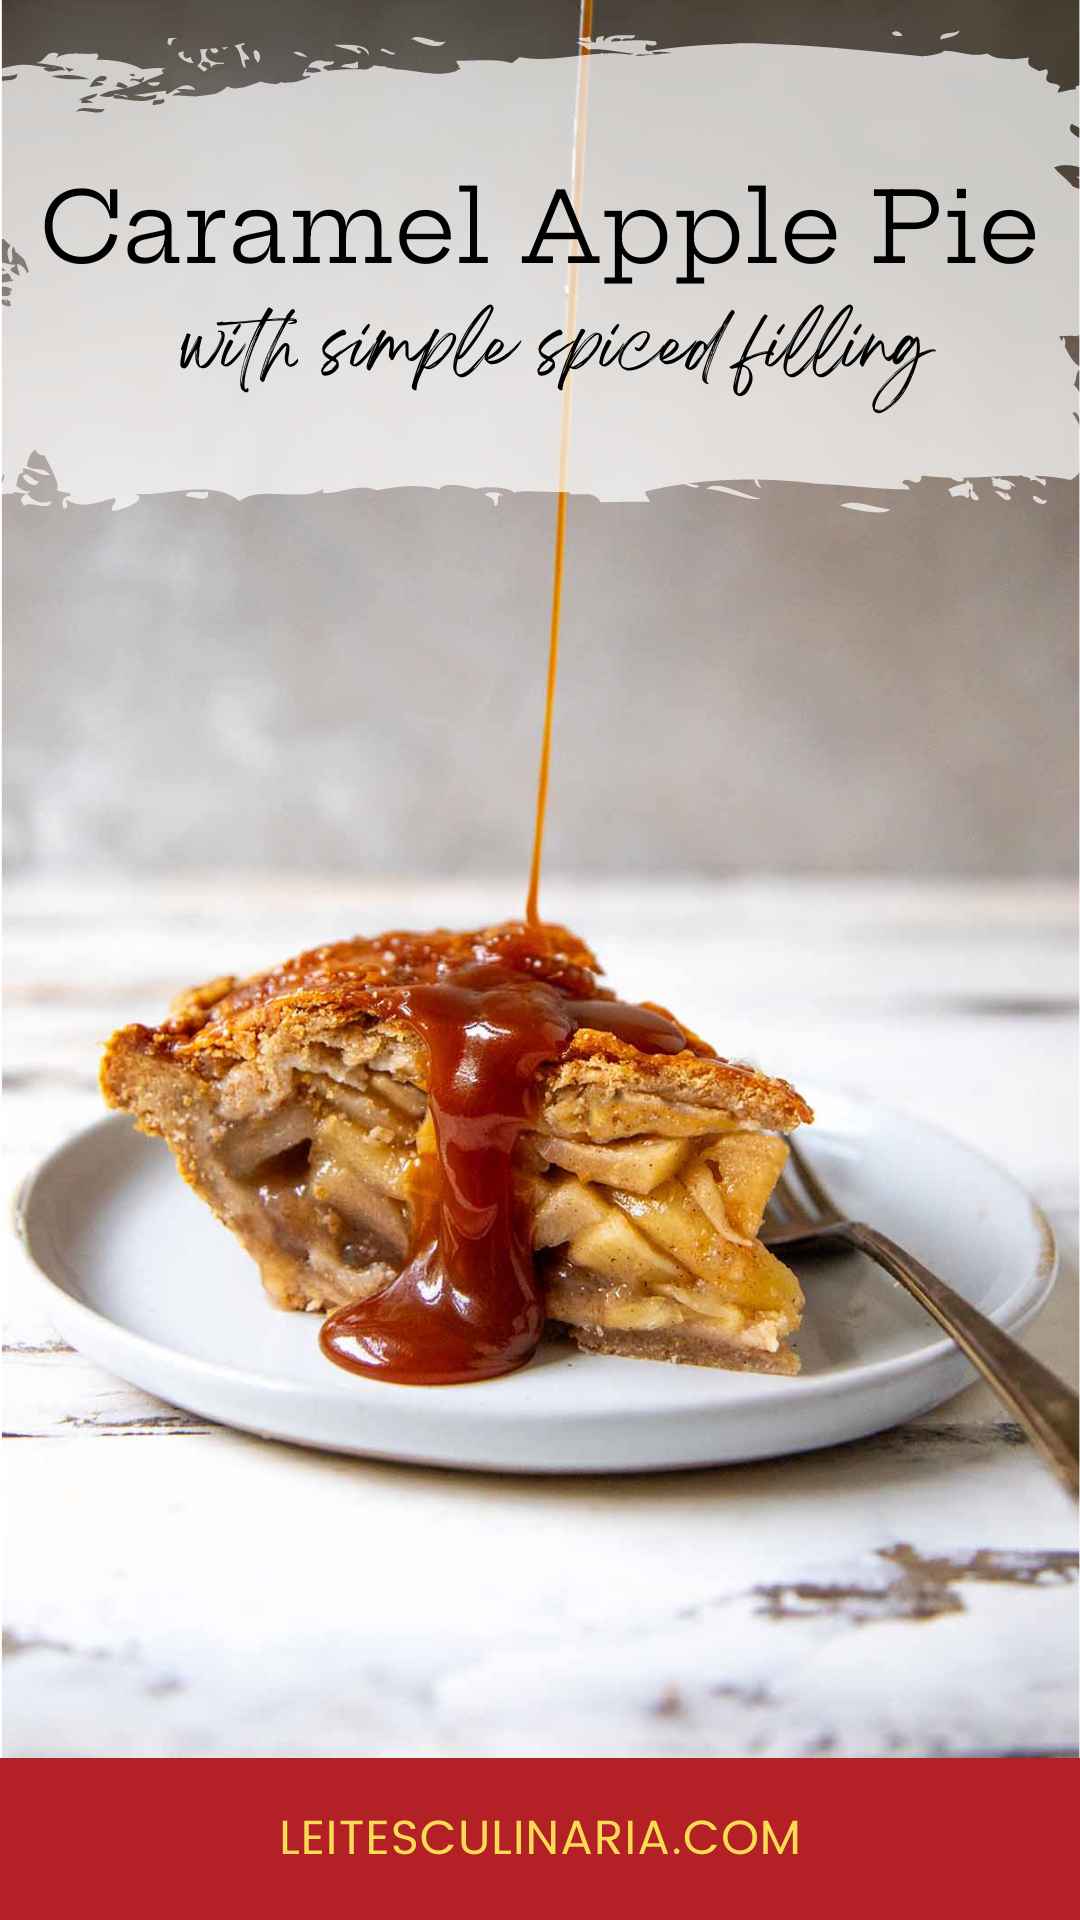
909	1594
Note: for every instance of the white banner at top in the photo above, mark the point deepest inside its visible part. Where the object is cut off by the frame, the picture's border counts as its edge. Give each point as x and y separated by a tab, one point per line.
741	316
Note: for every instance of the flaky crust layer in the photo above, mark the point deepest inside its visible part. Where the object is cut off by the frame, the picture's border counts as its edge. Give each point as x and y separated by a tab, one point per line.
339	997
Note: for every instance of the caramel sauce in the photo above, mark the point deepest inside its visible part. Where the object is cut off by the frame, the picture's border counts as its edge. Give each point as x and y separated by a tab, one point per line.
468	1305
532	904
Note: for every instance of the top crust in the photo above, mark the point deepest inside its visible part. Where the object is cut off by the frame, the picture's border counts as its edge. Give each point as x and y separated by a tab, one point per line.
337	997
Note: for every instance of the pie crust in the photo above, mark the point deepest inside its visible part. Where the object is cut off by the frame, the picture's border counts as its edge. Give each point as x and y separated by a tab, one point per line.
296	1103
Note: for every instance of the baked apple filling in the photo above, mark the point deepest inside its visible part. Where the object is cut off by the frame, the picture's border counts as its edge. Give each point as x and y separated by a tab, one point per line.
659	1233
323	1180
656	1230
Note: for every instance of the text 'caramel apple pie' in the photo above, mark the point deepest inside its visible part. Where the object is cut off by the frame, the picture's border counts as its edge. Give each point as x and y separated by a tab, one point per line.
448	1140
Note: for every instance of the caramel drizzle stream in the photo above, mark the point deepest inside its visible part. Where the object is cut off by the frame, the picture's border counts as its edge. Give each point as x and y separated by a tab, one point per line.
532	905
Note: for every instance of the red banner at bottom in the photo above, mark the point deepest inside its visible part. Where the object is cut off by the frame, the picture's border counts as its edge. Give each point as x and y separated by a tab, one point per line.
184	1837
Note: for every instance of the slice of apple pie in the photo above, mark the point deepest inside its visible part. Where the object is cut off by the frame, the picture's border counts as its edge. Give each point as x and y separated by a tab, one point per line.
448	1139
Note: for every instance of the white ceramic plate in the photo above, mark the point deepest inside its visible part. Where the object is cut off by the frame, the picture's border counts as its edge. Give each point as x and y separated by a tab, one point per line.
141	1278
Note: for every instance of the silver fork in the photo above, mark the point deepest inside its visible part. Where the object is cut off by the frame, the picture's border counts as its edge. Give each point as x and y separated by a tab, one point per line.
803	1213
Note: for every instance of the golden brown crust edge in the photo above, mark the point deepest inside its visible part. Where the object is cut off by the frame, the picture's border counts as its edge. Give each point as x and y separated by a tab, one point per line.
589	1068
597	1060
594	1067
331	995
162	1095
683	1347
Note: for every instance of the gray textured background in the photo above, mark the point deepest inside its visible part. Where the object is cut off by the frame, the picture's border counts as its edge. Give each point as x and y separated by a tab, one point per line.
353	681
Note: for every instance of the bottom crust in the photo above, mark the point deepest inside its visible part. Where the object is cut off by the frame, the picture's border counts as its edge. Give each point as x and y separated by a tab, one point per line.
683	1348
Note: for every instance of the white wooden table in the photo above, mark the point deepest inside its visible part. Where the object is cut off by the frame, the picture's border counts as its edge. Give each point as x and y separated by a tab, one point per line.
174	1588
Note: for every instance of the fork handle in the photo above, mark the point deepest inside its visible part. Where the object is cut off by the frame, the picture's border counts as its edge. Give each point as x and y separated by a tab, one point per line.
1044	1406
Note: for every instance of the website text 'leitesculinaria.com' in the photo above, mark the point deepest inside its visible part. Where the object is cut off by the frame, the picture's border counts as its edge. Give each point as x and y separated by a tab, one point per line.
475	1836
